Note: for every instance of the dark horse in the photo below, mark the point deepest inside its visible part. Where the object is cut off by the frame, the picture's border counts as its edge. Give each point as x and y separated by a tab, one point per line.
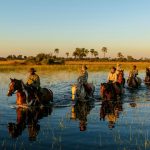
134	82
110	91
147	78
27	97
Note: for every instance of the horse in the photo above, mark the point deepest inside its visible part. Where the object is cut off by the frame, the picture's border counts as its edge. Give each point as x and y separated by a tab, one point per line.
26	96
110	91
82	91
147	78
134	82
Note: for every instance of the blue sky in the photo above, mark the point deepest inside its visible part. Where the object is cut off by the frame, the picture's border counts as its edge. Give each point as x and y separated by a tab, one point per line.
31	26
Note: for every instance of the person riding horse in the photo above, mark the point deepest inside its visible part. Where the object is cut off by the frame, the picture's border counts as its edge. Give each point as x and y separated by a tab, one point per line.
83	79
120	75
133	73
113	79
33	82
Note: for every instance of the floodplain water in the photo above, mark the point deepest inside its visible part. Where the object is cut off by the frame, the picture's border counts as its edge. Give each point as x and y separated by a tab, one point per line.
122	125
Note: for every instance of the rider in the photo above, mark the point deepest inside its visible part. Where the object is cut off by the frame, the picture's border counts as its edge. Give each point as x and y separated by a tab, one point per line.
120	70
34	82
134	73
83	78
112	77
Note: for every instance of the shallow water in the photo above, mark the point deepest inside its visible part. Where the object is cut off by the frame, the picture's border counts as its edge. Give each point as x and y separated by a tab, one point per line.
126	123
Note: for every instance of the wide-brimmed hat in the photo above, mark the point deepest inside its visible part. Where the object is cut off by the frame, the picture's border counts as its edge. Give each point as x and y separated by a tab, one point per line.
32	70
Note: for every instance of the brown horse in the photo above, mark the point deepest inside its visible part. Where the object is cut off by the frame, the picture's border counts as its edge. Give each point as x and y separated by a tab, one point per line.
110	91
27	97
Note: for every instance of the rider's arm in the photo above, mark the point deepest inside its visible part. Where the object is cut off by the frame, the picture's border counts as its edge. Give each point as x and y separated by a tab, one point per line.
115	77
108	78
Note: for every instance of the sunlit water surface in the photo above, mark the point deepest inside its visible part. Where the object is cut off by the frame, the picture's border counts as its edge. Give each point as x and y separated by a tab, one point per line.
126	125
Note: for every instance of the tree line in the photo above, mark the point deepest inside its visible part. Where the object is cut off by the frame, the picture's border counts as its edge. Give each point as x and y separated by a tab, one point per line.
78	54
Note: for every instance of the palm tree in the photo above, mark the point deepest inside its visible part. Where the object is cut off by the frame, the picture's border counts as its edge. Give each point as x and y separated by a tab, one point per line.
120	55
104	50
75	54
95	54
92	52
86	51
56	51
67	54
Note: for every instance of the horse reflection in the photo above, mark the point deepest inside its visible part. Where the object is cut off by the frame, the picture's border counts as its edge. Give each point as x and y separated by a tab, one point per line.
80	111
110	111
28	119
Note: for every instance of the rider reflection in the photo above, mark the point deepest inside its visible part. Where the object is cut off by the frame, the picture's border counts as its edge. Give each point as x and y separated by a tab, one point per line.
80	111
110	111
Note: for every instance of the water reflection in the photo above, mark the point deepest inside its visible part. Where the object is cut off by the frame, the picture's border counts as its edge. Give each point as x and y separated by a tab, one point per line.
80	110
110	111
28	119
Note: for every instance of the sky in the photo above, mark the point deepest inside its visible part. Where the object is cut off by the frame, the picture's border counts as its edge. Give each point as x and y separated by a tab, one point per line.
29	27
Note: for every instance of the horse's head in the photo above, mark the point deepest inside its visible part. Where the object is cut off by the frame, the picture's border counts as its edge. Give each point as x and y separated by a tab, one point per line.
103	89
14	86
106	91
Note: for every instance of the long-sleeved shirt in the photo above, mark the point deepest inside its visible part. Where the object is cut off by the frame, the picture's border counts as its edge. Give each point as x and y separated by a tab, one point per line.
112	77
134	73
83	78
34	80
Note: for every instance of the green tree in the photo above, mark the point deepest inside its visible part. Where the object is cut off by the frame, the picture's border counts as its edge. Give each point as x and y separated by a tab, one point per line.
95	54
104	50
92	52
120	55
130	58
56	51
80	53
67	54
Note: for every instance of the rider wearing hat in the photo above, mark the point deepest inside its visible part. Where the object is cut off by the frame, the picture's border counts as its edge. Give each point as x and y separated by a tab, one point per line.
33	83
33	79
83	78
134	73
